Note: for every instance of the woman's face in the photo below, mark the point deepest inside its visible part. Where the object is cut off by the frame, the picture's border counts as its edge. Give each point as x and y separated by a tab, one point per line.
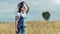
22	9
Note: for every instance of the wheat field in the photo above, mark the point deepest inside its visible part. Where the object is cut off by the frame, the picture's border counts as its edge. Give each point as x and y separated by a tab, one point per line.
33	27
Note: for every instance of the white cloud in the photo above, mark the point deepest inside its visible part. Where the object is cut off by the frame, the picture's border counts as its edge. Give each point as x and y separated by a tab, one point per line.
56	2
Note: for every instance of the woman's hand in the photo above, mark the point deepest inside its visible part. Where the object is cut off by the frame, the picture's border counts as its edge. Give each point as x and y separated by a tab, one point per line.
16	30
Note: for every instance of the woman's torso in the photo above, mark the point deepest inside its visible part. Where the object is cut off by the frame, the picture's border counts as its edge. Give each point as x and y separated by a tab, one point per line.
21	19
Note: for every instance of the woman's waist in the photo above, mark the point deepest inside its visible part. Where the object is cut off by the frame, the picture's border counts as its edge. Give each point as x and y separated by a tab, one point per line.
21	25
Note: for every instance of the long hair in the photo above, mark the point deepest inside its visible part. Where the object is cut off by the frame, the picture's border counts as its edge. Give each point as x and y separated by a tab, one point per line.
20	5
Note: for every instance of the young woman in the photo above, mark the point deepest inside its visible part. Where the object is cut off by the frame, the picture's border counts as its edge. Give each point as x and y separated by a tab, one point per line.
20	18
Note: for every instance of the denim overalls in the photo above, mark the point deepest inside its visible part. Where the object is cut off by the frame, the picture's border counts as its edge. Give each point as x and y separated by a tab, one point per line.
21	25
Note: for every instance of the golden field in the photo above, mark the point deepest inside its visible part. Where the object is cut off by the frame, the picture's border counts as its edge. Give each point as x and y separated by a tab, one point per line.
33	27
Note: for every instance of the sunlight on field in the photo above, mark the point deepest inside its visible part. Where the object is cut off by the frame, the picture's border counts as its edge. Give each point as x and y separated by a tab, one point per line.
7	28
37	27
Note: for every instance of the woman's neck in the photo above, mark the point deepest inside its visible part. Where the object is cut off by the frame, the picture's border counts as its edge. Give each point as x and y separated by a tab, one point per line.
22	12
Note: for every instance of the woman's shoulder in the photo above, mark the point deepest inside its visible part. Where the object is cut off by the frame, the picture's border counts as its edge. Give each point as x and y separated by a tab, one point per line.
17	14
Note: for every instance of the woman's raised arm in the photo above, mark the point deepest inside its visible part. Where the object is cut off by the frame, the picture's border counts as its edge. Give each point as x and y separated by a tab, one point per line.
28	7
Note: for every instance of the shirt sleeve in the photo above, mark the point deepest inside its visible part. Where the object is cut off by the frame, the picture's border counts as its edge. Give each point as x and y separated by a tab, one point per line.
17	14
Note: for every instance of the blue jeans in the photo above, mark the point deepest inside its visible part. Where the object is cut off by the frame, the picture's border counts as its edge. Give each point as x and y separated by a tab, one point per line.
22	31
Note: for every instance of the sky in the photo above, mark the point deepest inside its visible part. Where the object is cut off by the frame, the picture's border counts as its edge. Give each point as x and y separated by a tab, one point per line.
8	9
